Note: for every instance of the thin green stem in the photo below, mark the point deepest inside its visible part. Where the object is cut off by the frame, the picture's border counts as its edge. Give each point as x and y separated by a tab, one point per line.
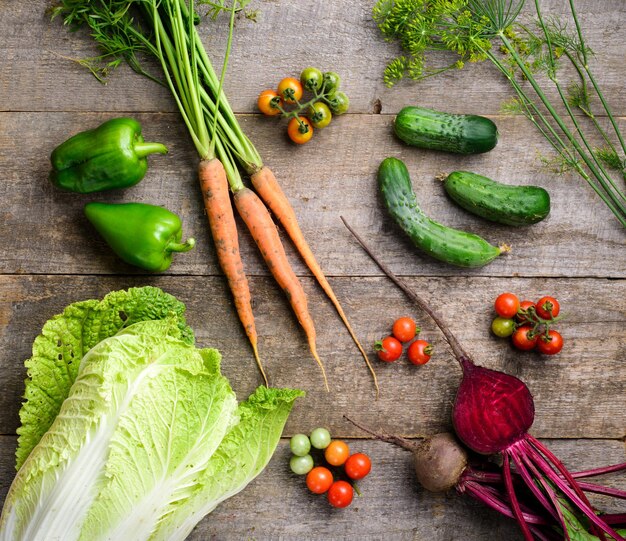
223	74
544	100
596	87
592	154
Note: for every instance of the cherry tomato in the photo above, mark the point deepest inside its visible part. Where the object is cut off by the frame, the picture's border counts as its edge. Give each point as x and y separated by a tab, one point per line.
523	307
337	453
340	494
319	479
300	132
502	327
331	82
389	349
550	345
311	79
268	99
320	115
507	305
404	329
419	352
338	103
290	89
522	340
358	466
548	307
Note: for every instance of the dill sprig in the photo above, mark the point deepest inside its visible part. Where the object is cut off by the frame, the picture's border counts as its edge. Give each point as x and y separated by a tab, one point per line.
479	30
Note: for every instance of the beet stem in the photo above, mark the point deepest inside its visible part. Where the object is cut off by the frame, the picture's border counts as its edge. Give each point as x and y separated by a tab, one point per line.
520	460
396	440
552	458
601	489
457	349
568	491
599	471
493	498
517	511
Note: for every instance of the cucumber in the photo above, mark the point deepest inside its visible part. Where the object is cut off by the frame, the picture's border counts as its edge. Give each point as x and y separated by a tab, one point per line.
441	242
502	203
463	134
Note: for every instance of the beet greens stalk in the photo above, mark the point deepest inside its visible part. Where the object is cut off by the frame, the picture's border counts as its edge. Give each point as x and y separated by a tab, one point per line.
492	414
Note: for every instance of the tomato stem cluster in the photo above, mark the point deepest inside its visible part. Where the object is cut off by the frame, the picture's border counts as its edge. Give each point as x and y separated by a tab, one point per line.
316	112
528	324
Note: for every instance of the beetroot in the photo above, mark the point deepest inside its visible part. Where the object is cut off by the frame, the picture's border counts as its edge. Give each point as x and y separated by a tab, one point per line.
492	413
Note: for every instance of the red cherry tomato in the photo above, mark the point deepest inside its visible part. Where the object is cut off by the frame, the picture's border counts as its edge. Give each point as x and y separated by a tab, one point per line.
319	480
523	307
419	352
548	307
522	340
336	453
358	466
389	349
507	305
550	345
340	494
404	329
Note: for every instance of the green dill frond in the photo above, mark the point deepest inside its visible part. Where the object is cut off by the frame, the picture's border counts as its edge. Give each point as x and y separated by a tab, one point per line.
578	96
609	157
557	163
512	106
395	71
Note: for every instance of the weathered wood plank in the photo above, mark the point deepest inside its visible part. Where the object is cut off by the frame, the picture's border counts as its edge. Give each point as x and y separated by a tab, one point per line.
334	175
36	73
578	394
277	505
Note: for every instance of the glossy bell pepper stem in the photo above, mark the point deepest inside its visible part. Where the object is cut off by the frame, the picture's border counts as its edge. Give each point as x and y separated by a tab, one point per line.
181	246
144	149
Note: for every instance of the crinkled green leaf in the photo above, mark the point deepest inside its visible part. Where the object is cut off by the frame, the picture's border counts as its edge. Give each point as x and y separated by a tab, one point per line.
143	414
242	455
65	339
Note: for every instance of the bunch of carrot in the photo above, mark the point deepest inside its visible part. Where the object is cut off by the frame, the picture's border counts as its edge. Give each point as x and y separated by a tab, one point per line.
166	30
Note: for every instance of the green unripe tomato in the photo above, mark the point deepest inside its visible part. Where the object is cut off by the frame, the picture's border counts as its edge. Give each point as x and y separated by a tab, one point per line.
338	103
300	444
311	79
320	438
502	327
301	465
320	115
331	82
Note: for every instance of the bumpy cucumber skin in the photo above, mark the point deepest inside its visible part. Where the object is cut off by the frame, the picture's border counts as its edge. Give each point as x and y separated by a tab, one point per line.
444	243
462	134
505	204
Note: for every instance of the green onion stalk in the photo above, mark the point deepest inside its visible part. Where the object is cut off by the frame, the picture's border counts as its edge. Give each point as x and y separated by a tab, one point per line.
478	30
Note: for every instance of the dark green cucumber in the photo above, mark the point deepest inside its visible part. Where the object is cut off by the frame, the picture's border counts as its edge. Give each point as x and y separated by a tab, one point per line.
463	134
502	203
441	242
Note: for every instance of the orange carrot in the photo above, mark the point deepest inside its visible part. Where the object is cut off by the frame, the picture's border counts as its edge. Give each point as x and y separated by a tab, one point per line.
267	187
219	210
265	235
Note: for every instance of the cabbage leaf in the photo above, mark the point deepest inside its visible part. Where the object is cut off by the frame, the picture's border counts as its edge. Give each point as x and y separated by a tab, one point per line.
65	339
149	439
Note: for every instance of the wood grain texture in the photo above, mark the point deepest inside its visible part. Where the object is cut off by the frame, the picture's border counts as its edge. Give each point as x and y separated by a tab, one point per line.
578	394
51	256
36	72
334	175
392	507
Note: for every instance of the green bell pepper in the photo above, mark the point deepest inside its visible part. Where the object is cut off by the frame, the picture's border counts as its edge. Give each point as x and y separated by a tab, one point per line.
111	156
143	235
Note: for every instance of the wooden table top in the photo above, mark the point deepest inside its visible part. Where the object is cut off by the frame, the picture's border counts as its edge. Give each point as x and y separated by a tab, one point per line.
51	256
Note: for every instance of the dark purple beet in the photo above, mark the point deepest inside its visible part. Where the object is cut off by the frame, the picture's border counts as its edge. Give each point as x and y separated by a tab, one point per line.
492	410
